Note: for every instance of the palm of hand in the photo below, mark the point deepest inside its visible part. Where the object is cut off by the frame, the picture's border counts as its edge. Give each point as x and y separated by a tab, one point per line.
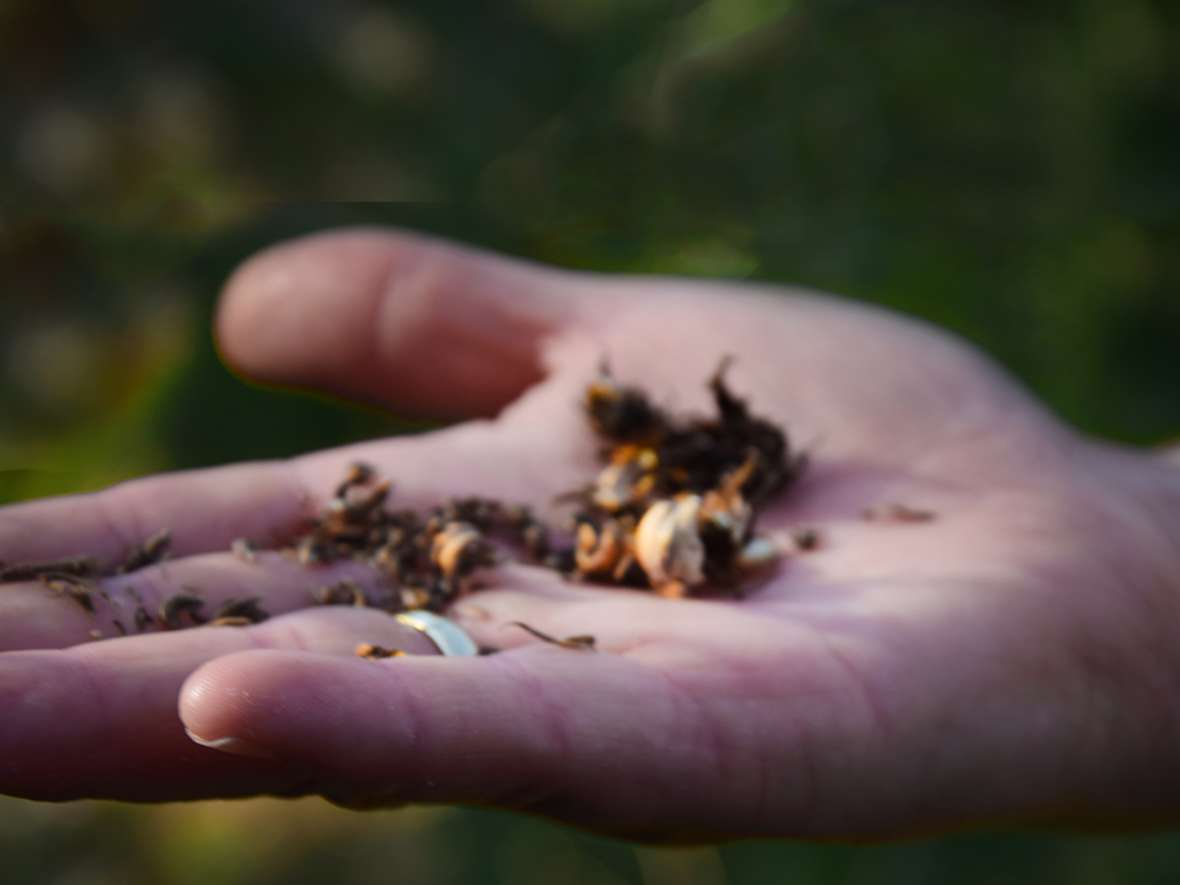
901	676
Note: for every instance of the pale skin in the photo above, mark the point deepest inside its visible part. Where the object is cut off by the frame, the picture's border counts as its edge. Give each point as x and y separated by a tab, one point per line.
1014	659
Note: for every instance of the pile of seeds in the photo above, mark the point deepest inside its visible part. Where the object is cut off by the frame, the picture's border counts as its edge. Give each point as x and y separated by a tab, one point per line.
427	558
77	578
673	509
675	505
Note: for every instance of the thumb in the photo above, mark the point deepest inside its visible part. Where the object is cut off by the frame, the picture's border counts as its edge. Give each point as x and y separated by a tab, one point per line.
424	327
593	739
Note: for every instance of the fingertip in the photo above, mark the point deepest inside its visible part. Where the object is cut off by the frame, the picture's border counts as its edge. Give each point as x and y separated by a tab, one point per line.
426	327
233	746
283	701
220	701
270	321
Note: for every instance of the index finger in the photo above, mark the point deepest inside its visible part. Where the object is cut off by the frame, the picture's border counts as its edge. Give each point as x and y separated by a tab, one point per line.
204	509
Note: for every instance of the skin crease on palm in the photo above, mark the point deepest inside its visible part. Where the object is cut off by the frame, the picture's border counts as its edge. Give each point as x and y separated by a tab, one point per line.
1012	660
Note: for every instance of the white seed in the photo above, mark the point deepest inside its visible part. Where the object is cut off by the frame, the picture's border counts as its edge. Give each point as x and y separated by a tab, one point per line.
759	552
667	543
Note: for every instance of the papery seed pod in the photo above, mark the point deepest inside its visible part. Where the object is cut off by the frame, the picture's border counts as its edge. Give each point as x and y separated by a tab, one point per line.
77	566
358	474
457	548
412	598
725	508
668	544
599	551
628	479
358	507
621	413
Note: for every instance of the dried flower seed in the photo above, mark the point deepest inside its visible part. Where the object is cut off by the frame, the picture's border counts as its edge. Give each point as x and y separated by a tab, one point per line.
458	549
376	652
668	545
358	474
80	590
77	566
343	592
150	552
181	610
247	608
628	479
622	414
582	642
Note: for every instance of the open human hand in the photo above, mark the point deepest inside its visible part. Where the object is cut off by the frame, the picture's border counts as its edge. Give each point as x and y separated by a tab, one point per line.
1015	658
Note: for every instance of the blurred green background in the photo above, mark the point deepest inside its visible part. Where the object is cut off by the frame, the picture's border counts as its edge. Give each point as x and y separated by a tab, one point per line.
1006	170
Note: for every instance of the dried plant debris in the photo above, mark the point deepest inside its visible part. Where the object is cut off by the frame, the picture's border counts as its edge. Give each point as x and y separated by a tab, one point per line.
80	590
341	593
581	642
807	539
377	652
678	497
76	566
236	612
150	552
672	510
427	558
182	610
650	454
898	513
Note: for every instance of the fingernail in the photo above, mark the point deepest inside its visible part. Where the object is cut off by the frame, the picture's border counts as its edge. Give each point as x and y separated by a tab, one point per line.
233	745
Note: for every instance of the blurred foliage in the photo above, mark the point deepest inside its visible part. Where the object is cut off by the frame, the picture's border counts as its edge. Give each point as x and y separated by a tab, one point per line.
1005	170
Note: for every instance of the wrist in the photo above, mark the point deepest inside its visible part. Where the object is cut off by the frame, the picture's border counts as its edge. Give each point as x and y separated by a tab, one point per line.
1133	646
1168	462
1154	483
